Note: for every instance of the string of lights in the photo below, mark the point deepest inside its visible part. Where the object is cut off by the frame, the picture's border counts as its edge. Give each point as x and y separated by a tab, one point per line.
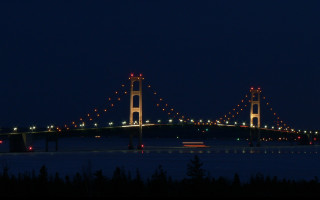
96	113
170	110
236	110
279	123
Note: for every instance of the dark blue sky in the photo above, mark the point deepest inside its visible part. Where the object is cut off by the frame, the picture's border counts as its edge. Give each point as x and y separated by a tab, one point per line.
60	59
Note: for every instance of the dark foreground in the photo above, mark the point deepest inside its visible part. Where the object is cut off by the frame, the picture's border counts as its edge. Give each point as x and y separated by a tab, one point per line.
124	184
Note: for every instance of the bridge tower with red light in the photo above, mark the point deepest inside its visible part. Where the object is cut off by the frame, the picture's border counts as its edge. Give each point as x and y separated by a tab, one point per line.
255	116
134	108
255	108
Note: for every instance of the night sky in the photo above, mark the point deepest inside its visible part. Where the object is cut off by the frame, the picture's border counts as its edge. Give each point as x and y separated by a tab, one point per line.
59	60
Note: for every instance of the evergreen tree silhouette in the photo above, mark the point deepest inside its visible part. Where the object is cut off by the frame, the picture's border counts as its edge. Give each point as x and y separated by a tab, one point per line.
194	169
159	182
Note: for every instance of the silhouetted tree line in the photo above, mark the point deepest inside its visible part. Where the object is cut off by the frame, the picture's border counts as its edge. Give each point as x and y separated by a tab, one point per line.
124	184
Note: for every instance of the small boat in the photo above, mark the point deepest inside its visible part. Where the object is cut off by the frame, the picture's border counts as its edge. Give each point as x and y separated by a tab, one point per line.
194	144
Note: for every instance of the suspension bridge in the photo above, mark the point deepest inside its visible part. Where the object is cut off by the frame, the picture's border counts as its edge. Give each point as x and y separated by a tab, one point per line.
173	122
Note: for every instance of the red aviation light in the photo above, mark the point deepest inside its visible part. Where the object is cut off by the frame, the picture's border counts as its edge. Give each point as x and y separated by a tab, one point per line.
140	75
131	74
30	148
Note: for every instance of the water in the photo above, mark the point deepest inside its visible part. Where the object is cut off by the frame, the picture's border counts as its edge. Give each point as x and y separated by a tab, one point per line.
220	158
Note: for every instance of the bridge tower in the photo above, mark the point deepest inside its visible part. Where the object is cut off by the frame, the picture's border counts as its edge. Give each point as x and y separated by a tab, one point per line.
255	114
136	109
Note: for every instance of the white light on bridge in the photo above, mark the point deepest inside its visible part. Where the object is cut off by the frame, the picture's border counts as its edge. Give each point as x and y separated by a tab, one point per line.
191	120
147	121
110	123
265	126
124	123
243	123
170	120
95	124
180	120
235	123
49	127
15	129
209	121
159	121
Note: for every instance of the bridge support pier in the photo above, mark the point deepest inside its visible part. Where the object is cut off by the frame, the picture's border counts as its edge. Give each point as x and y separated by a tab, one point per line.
254	137
51	138
140	145
310	138
18	142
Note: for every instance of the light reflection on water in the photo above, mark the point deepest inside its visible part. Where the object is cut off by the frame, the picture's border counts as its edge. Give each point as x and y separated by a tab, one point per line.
221	157
170	146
